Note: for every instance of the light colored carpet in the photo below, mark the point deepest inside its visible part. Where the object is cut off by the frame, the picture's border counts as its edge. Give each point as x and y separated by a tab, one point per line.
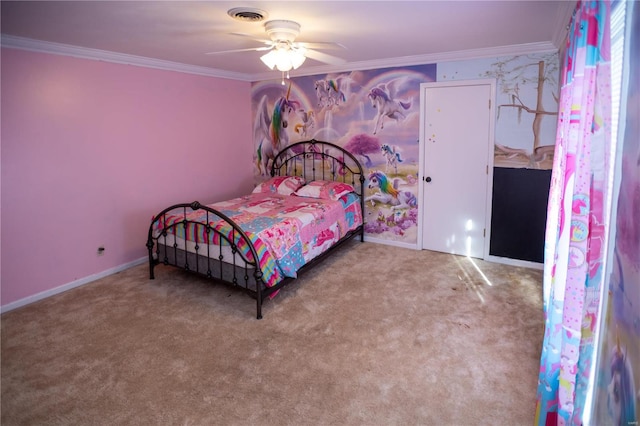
374	335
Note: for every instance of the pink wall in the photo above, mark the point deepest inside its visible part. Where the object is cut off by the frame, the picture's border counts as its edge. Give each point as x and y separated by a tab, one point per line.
91	150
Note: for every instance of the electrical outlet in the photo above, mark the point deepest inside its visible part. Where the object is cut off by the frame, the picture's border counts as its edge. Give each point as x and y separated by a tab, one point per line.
100	250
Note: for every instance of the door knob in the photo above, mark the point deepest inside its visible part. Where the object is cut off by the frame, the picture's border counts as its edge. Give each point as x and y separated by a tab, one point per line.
428	179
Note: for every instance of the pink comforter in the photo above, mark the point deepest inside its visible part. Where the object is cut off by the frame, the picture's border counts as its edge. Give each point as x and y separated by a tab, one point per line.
287	231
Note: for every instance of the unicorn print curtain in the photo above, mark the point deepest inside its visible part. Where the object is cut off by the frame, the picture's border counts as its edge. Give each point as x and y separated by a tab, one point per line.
576	216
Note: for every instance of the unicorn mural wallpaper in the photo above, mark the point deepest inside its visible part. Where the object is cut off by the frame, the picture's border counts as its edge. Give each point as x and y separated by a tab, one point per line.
372	113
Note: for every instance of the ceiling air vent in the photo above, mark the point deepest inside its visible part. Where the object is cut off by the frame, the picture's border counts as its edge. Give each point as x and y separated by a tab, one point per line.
247	14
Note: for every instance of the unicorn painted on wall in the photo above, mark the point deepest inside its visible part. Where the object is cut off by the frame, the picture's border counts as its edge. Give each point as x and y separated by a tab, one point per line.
308	122
336	96
321	93
386	106
388	192
270	130
392	155
329	93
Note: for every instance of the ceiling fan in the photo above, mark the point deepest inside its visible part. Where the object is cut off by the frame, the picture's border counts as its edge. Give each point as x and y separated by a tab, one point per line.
283	52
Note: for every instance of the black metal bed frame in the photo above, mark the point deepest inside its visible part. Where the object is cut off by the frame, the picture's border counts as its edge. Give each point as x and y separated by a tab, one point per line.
313	160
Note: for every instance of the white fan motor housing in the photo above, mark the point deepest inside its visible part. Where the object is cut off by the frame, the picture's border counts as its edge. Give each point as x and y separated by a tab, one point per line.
282	30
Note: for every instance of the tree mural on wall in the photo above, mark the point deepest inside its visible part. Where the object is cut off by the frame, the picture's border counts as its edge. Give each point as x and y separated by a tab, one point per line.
363	144
512	74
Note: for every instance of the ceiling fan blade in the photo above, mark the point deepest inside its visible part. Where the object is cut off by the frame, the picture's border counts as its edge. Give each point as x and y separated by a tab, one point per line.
323	57
256	49
321	45
261	40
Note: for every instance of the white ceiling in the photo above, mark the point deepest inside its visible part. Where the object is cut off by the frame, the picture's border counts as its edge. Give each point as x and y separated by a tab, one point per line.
375	33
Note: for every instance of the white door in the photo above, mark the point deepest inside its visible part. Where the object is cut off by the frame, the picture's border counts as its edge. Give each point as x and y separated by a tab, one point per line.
457	157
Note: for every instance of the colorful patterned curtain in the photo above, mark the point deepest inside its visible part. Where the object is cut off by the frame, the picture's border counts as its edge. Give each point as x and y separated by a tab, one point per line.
576	219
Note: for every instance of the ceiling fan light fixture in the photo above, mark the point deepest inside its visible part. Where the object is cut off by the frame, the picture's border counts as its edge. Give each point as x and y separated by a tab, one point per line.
283	59
297	57
269	59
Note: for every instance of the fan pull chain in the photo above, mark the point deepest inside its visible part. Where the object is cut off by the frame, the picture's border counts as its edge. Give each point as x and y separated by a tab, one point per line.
283	77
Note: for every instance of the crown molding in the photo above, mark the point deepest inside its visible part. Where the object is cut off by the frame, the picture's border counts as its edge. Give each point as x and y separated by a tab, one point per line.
120	58
22	43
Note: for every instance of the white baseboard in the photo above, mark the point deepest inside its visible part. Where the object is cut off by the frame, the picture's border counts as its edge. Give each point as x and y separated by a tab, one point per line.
515	262
77	283
390	243
490	258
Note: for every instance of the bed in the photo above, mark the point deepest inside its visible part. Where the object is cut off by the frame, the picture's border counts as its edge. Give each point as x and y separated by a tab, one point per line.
311	203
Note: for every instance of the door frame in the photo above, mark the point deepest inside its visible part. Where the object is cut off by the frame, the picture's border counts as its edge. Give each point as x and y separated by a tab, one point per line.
490	155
